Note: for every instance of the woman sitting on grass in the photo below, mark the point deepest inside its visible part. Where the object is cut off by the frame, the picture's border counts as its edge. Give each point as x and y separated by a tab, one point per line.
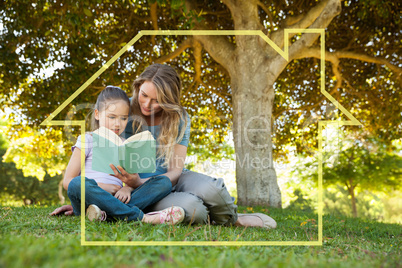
156	107
105	194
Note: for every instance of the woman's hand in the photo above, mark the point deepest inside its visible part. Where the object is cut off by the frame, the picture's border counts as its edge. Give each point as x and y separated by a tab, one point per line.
132	180
110	188
124	194
66	210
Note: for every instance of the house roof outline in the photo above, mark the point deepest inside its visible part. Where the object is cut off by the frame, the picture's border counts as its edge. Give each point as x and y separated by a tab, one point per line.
284	53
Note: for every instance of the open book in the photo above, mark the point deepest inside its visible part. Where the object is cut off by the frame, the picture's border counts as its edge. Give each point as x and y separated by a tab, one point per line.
137	154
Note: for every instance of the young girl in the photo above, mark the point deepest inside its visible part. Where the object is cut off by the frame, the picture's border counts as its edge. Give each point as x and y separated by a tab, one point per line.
106	194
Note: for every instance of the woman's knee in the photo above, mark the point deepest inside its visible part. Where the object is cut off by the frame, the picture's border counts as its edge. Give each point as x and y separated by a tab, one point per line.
201	185
196	211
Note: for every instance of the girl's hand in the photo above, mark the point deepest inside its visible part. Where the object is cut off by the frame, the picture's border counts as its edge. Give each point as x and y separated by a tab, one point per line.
124	194
110	188
132	180
66	210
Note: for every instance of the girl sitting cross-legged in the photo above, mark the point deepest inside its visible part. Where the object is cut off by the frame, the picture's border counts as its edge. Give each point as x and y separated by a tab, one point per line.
106	197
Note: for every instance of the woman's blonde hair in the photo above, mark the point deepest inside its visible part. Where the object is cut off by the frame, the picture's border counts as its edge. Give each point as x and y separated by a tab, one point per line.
168	90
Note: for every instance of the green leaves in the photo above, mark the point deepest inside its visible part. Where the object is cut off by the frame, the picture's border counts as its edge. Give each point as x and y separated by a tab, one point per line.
356	164
37	152
87	12
83	36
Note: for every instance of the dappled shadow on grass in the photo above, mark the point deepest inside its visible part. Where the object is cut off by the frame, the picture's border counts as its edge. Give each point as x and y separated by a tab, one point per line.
293	225
29	237
31	220
36	221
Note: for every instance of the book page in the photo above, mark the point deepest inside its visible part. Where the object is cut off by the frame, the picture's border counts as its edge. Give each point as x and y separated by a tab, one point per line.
142	136
109	135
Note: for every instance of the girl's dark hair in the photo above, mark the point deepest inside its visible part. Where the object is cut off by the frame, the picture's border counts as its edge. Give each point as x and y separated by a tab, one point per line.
110	93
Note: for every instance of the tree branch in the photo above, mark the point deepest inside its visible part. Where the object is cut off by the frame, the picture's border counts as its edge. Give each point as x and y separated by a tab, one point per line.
334	57
269	14
303	22
197	67
229	3
337	73
220	49
300	22
183	46
293	20
198	61
332	9
363	57
154	19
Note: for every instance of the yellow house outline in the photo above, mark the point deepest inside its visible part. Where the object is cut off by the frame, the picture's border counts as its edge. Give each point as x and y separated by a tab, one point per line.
352	121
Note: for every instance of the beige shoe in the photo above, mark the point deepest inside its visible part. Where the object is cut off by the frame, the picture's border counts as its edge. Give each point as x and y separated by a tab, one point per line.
95	214
267	221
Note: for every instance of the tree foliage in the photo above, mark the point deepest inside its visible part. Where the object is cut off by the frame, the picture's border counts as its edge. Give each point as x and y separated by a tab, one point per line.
37	153
358	165
77	38
15	186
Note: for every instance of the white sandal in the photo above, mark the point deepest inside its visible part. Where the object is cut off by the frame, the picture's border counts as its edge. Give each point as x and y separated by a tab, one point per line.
94	213
172	215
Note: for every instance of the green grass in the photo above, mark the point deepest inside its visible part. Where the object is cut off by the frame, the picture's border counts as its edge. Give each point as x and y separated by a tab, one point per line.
31	238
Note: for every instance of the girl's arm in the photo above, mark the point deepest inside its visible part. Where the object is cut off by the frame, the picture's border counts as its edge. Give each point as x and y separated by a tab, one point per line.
175	169
74	169
124	194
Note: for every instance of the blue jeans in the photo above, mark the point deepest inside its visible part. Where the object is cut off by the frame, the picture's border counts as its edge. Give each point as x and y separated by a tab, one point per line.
150	192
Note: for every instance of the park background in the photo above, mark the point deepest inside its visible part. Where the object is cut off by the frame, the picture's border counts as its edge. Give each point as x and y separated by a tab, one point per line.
49	49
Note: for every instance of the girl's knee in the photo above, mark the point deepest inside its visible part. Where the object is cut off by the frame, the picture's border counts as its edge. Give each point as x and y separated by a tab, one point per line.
74	186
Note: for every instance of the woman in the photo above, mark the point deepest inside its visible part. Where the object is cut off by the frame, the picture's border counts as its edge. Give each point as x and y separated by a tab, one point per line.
156	107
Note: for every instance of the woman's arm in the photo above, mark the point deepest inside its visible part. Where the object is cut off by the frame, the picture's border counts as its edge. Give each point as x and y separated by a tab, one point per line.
175	169
176	164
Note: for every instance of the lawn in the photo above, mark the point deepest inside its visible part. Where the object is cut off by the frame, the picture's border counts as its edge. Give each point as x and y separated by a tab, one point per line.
31	238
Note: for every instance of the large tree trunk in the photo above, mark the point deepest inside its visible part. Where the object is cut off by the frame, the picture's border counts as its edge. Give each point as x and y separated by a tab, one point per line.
252	111
254	67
